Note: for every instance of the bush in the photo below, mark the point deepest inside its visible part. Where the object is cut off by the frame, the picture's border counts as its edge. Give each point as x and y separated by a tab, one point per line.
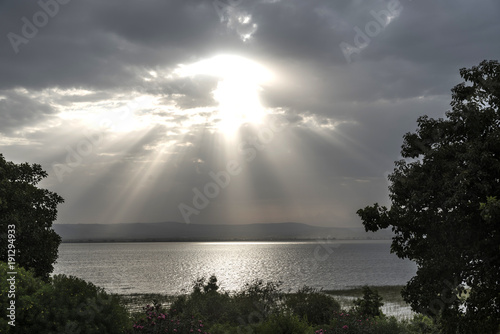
421	324
221	312
25	296
264	298
75	304
343	321
312	305
283	323
158	320
369	305
262	308
206	302
213	306
62	305
349	323
250	306
227	328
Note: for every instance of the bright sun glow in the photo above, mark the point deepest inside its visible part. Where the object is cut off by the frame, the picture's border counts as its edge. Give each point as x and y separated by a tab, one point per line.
237	91
120	115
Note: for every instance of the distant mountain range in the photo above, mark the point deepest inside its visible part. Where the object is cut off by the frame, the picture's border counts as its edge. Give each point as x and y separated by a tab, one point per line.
171	231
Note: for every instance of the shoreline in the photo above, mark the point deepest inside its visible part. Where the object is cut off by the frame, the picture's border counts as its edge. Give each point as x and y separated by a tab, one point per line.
312	240
394	305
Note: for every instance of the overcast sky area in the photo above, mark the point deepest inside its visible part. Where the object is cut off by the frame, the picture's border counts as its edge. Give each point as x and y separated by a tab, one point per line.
227	111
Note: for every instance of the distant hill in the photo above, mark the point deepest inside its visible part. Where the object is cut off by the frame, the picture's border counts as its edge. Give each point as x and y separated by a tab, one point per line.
171	231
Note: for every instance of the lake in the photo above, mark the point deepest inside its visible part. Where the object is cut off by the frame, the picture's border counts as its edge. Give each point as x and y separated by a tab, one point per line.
171	267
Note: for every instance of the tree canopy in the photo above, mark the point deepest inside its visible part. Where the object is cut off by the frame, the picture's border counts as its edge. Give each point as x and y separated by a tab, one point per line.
29	211
444	207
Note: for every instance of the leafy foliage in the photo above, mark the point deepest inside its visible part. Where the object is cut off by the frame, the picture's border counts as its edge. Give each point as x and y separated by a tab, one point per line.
349	323
206	302
201	285
313	305
283	323
452	166
62	305
27	288
369	305
262	308
157	320
32	210
260	296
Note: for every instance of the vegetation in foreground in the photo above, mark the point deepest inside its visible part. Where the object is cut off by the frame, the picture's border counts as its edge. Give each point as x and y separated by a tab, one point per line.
394	304
264	308
60	304
71	305
445	207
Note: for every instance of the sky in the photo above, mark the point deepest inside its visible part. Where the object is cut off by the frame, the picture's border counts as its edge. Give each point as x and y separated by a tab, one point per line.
227	111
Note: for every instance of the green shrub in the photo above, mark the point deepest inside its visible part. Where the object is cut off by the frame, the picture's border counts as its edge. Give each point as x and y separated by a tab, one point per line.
421	324
345	322
262	308
62	305
388	325
257	296
249	307
25	297
214	306
201	285
75	304
312	305
157	320
283	323
369	305
206	302
351	323
227	328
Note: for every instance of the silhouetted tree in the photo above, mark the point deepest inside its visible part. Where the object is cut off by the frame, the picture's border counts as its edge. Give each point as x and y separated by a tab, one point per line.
369	305
30	212
451	167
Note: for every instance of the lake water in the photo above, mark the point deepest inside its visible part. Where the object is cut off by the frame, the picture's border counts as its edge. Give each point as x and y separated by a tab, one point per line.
170	267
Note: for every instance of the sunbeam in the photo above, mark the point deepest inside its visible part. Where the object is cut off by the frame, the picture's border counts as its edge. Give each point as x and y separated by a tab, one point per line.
237	91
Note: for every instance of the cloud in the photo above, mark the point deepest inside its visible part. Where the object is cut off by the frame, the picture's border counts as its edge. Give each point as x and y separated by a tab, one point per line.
111	70
18	110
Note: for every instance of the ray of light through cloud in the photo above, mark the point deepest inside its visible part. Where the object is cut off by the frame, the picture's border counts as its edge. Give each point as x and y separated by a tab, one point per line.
237	91
271	110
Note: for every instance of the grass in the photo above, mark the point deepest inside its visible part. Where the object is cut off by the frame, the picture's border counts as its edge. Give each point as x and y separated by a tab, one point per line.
390	293
135	302
394	305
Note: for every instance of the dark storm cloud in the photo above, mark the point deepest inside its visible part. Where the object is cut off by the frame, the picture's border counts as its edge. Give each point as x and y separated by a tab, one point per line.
417	54
95	44
18	110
